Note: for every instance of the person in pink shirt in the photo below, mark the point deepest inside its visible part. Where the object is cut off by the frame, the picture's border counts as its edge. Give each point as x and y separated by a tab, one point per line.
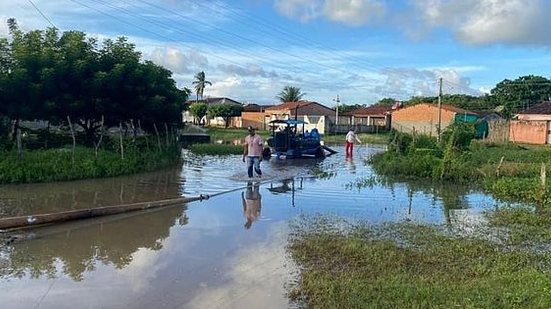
252	150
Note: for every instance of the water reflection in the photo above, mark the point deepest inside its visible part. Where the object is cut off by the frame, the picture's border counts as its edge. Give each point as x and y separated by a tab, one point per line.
252	203
25	199
351	165
287	185
79	247
181	258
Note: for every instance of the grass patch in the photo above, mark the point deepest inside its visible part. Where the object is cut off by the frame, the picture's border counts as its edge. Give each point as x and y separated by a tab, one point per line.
216	149
411	266
232	134
56	164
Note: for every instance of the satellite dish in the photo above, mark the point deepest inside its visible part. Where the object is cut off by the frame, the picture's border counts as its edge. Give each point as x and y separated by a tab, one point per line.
499	109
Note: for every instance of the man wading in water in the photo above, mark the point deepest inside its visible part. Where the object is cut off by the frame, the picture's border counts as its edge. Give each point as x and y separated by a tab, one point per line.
252	150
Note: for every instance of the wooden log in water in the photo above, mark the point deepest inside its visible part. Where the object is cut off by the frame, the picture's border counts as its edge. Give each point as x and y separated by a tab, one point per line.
329	149
77	214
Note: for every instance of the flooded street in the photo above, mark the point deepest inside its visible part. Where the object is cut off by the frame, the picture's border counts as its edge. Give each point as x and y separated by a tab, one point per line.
202	254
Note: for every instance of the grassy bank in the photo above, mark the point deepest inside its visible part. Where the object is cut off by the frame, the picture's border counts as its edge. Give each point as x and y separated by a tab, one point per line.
57	164
232	134
509	172
411	266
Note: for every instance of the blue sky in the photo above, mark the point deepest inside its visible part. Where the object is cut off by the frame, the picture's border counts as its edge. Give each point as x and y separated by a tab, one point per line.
361	50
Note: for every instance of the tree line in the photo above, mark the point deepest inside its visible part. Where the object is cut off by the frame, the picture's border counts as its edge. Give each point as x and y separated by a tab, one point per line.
507	98
64	77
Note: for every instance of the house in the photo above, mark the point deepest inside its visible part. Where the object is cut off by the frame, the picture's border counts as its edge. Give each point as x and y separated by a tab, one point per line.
254	115
216	121
532	126
423	118
315	114
366	118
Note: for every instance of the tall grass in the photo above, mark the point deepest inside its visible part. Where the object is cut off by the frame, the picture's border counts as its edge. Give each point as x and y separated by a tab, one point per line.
509	172
56	164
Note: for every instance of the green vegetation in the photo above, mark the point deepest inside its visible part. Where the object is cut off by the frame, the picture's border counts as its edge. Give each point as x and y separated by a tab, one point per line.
290	94
509	172
229	135
410	266
216	149
57	164
82	90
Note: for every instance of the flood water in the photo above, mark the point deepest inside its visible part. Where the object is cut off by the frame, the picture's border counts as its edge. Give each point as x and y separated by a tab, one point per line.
224	252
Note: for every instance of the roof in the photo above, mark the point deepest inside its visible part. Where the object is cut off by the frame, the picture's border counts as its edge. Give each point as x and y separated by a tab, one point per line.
307	108
542	108
253	107
214	101
456	109
447	107
289	105
373	110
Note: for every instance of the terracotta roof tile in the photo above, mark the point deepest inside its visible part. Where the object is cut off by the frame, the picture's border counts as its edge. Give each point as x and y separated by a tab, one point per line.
542	108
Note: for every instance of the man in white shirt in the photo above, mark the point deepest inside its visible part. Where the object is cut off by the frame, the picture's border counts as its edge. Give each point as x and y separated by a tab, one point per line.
350	138
252	150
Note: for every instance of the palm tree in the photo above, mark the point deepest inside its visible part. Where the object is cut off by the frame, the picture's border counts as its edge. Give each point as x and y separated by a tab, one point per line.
200	84
290	94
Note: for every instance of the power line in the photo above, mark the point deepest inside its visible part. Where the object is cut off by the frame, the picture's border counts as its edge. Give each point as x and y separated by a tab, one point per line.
249	40
44	16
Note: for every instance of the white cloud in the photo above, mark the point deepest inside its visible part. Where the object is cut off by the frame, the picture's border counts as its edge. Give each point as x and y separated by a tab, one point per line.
174	59
303	10
350	12
354	12
482	22
255	277
403	83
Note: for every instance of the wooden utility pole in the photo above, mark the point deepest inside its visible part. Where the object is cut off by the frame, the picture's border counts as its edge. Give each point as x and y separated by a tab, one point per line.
337	110
439	128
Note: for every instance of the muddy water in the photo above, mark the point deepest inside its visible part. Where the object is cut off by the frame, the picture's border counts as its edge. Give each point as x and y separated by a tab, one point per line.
201	254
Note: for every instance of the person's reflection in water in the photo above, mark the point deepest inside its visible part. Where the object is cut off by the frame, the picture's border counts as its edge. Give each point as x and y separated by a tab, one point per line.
351	165
251	203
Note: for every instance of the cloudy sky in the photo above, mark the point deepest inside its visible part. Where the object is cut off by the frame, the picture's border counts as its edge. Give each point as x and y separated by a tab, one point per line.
361	50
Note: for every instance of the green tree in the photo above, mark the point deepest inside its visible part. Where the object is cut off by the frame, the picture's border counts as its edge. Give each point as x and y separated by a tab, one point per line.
290	94
345	108
225	111
386	102
48	76
521	93
200	83
198	110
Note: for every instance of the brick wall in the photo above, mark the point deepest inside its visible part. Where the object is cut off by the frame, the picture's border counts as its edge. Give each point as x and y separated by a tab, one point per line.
423	118
529	132
255	119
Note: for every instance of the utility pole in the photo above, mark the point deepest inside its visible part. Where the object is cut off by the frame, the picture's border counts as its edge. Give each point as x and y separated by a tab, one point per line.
337	111
439	128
